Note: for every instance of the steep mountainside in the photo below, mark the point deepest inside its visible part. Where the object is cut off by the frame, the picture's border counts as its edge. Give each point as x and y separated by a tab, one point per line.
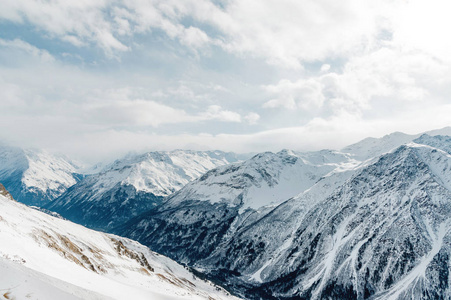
42	257
377	228
36	177
133	185
385	234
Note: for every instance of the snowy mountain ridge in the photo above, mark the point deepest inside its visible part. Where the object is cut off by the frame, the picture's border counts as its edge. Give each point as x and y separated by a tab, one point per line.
163	172
223	200
265	179
374	147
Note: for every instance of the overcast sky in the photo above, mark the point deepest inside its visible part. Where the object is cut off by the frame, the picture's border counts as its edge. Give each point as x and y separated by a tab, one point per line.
97	78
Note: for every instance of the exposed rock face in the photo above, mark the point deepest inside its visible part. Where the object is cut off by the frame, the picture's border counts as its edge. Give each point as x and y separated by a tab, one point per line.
5	193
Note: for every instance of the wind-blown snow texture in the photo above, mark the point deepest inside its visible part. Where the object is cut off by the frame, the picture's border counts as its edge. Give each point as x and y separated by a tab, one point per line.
36	177
42	257
133	185
370	221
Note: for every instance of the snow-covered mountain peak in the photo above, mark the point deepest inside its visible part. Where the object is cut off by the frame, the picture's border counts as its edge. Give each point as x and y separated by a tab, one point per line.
162	172
12	159
35	176
369	221
47	171
381	232
373	147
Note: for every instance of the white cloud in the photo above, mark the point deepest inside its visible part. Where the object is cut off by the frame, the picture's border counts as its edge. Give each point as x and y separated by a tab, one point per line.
134	113
320	133
18	44
141	113
215	112
325	68
289	32
391	76
374	67
424	26
73	21
284	33
252	118
194	37
304	94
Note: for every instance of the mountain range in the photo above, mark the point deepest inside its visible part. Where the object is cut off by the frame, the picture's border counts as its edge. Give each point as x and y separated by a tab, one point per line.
133	185
369	221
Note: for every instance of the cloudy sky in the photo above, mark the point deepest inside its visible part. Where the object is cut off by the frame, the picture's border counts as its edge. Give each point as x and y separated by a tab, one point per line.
98	78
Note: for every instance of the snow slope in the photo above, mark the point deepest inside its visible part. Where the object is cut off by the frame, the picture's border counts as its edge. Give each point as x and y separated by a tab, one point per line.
36	177
42	257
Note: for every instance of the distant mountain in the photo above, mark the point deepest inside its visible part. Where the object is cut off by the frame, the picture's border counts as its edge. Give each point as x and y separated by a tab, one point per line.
42	257
133	185
36	177
374	147
372	222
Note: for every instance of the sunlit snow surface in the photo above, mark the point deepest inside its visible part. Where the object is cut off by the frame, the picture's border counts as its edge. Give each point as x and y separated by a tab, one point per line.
42	257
